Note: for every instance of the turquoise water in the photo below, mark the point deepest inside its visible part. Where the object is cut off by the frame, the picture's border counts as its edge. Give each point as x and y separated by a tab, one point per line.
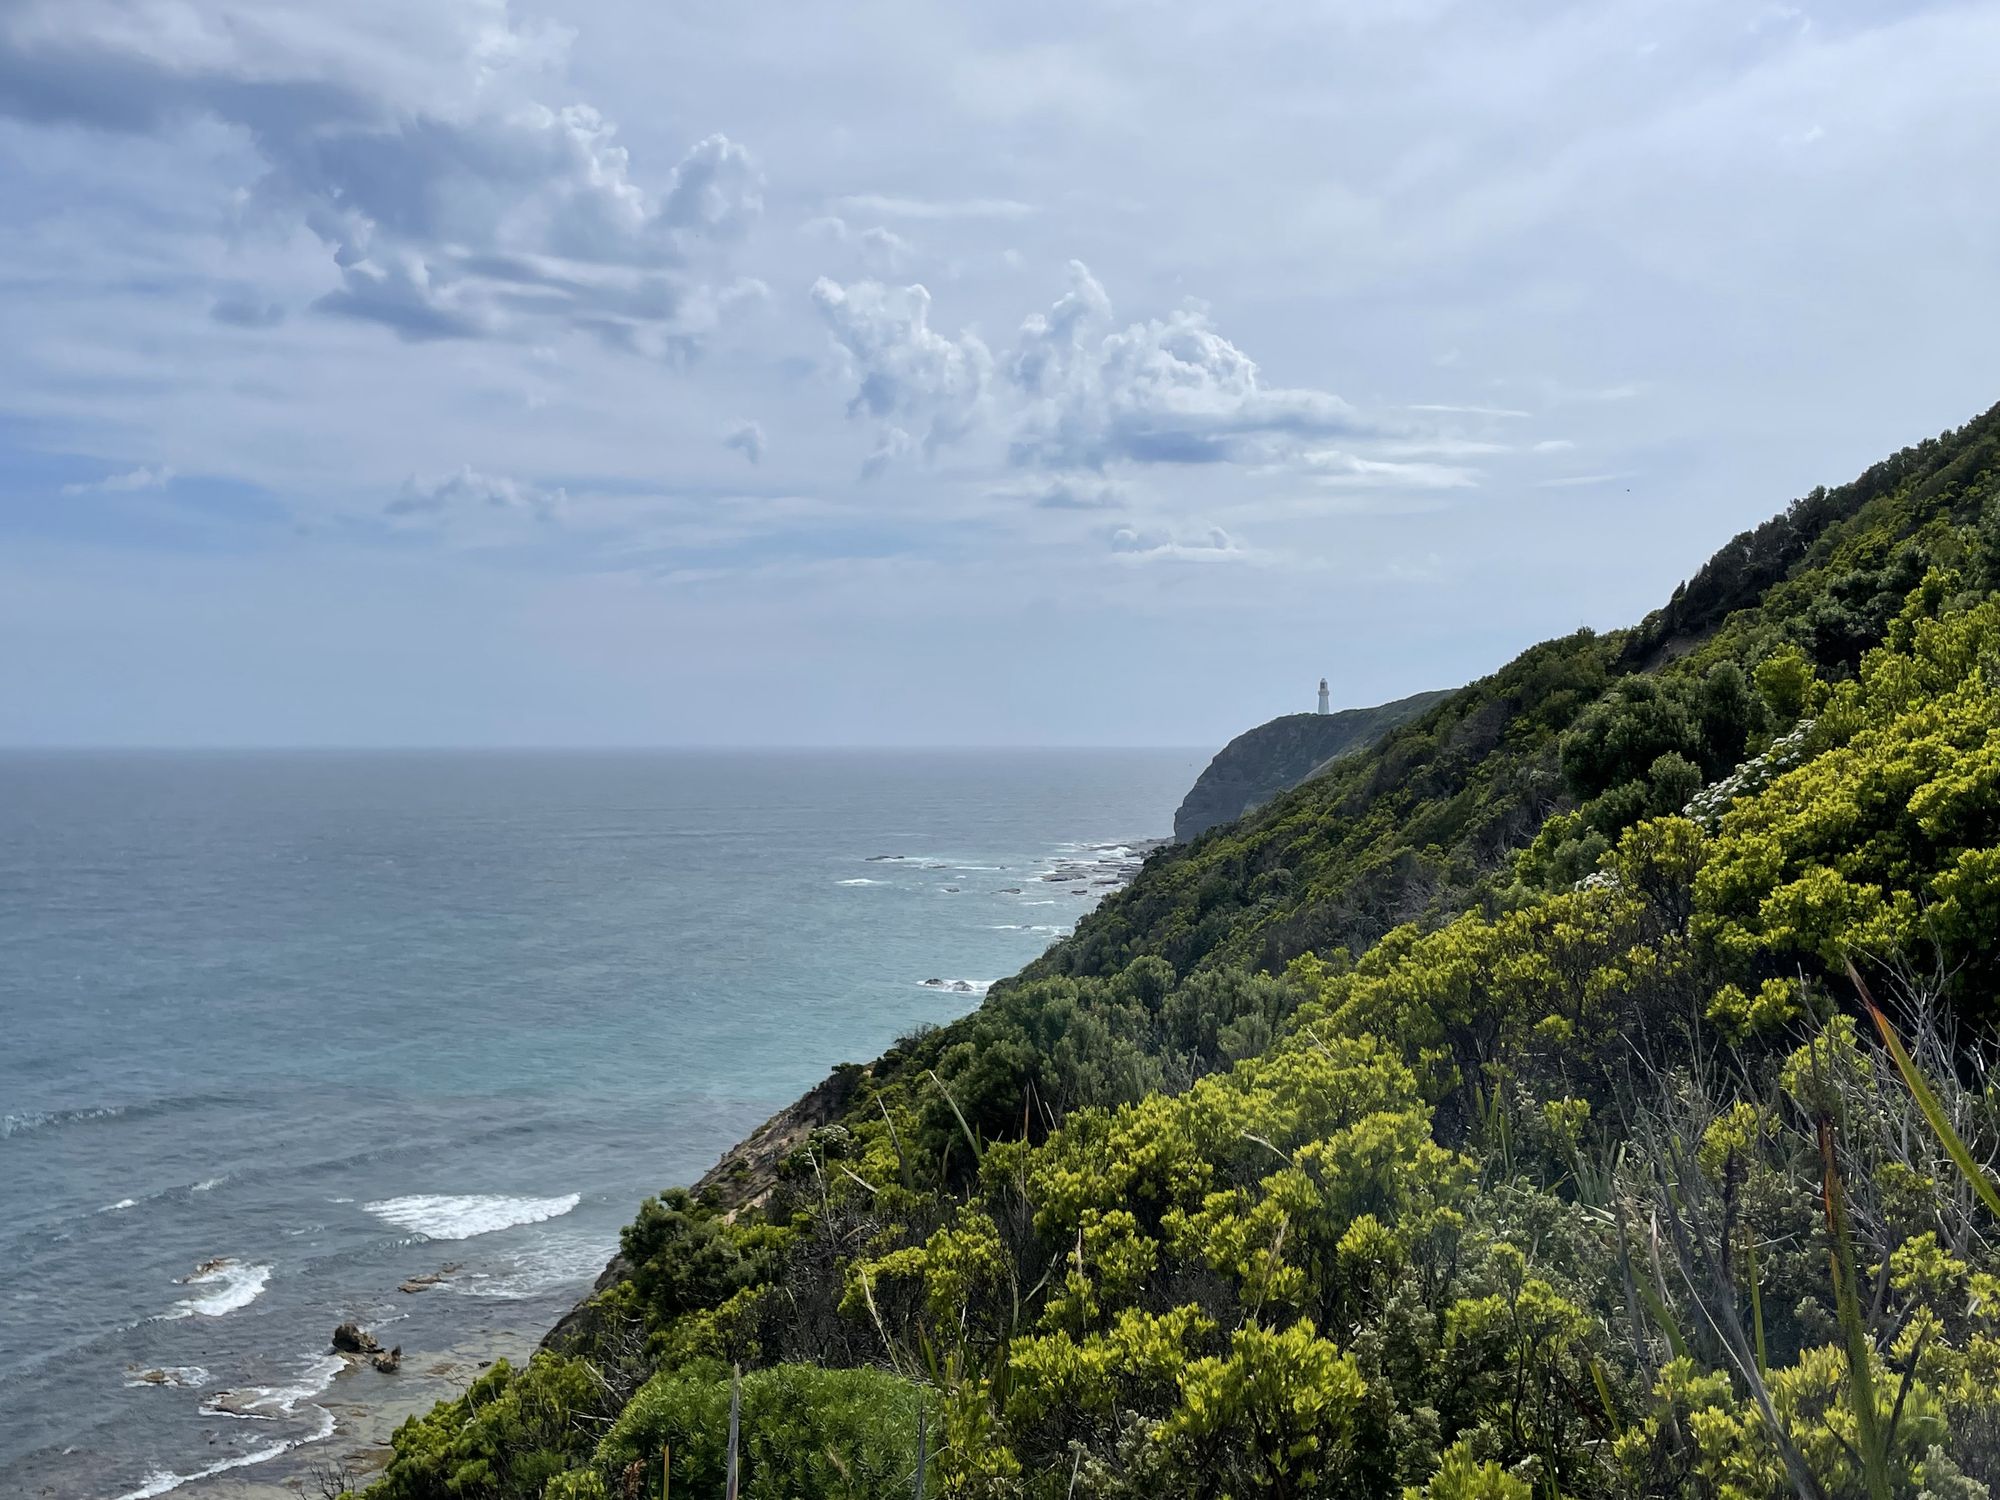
336	1019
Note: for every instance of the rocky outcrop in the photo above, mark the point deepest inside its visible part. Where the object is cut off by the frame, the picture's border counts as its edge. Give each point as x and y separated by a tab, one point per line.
352	1338
743	1178
1260	763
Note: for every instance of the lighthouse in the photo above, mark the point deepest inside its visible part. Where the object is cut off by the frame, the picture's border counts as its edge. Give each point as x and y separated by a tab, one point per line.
1324	706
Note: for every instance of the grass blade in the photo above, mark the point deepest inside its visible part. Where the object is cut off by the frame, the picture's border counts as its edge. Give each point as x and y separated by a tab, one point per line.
970	1139
1756	1302
1854	1332
1928	1102
735	1428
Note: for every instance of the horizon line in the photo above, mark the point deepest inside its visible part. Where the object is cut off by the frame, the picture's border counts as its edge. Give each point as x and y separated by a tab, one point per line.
636	748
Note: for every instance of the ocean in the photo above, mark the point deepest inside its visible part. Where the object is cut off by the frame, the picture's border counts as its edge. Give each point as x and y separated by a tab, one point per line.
282	1030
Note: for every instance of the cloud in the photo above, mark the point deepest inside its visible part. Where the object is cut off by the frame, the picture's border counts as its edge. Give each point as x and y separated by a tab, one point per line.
1169	390
1081	393
244	309
1211	546
156	477
1449	409
468	493
893	207
747	438
881	250
1554	445
449	211
1080	492
906	374
1333	467
893	444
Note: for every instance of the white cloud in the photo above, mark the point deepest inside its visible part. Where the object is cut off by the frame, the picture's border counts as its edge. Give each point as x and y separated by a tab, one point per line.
145	477
1334	467
904	371
467	494
881	251
1169	390
1449	409
1080	393
1214	545
894	207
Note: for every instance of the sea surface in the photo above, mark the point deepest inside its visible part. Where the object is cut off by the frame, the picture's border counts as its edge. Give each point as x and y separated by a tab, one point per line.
281	1030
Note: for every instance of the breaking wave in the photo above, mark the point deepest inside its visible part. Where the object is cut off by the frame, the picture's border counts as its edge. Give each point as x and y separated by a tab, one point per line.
442	1217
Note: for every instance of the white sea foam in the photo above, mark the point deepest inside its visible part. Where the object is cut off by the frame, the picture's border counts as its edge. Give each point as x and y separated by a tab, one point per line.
40	1119
234	1285
258	1403
165	1481
267	1403
957	986
120	1206
443	1217
560	1262
186	1377
207	1185
864	882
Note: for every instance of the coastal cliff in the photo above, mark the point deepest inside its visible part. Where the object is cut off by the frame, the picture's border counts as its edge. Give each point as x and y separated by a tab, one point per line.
1308	1163
1262	762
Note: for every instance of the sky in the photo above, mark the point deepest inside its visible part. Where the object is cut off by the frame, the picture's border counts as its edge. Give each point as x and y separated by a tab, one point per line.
678	372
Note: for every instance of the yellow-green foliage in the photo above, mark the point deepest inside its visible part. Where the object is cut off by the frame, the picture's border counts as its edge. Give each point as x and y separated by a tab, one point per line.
1883	841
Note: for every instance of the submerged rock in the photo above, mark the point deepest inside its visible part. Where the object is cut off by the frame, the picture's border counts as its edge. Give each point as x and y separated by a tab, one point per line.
391	1362
428	1279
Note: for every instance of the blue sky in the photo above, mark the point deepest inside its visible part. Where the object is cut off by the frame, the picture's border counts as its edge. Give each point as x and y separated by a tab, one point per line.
618	372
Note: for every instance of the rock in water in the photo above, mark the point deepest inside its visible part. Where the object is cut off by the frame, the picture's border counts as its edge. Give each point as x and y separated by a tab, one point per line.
352	1338
391	1362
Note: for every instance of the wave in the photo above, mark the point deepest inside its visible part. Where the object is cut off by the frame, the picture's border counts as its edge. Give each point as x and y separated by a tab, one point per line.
267	1403
958	986
184	1377
236	1285
442	1217
120	1206
22	1124
257	1404
30	1121
561	1263
208	1184
165	1481
864	882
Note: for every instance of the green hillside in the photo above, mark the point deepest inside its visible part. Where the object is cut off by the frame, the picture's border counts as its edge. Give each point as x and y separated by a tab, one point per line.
1493	1115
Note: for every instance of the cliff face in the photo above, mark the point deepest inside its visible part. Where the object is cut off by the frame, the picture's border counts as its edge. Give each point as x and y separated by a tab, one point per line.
1260	763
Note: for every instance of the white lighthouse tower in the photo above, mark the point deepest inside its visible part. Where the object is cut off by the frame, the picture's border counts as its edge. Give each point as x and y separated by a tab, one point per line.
1324	706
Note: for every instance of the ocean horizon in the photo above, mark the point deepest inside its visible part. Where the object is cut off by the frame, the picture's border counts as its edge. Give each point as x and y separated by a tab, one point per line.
289	1028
